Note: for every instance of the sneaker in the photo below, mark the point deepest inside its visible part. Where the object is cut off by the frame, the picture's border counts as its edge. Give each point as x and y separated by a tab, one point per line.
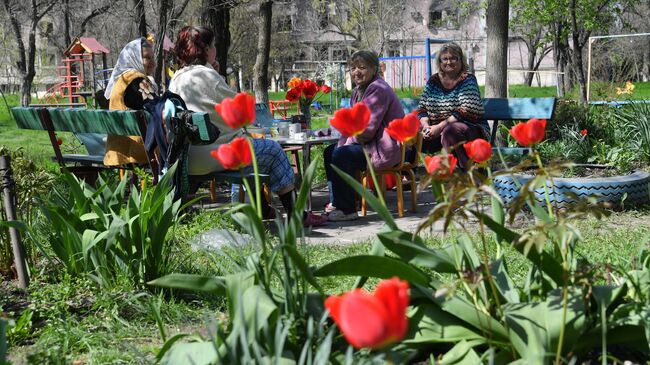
337	215
313	220
329	208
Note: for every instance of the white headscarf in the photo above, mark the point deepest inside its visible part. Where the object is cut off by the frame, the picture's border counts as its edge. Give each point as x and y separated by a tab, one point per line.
130	58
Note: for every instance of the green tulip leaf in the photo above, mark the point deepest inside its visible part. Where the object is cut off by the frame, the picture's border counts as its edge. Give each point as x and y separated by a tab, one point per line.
373	266
211	284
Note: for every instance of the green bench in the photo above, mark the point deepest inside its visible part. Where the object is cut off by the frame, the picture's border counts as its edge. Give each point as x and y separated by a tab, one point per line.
103	122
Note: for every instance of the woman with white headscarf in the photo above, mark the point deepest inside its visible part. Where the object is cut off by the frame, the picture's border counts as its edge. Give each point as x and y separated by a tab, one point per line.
130	87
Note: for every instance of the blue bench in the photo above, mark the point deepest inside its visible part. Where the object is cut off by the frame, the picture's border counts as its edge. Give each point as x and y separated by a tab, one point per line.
499	110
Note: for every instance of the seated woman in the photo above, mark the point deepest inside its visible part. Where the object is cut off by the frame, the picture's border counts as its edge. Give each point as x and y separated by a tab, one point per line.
201	87
130	87
348	155
451	109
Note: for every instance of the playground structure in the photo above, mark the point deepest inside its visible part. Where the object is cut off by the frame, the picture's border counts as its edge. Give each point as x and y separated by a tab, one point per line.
78	74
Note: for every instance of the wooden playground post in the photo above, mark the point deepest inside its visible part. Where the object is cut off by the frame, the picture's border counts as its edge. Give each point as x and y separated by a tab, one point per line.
9	200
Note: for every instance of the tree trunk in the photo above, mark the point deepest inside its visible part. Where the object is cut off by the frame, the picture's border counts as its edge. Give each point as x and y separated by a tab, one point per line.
67	27
577	55
216	16
261	68
140	18
160	41
496	82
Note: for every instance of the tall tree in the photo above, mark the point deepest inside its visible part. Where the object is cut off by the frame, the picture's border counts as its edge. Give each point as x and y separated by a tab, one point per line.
140	17
216	16
496	83
32	15
163	10
524	22
261	69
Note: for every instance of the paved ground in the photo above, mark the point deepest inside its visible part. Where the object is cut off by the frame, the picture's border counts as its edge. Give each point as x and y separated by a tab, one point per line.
341	233
366	228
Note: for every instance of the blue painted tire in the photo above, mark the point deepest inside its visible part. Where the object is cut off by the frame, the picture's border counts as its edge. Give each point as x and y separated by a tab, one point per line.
609	190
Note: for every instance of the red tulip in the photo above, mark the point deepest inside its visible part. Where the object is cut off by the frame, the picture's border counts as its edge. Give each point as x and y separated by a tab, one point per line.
309	88
372	320
405	129
234	155
440	166
293	94
583	132
478	150
237	112
325	89
351	122
530	132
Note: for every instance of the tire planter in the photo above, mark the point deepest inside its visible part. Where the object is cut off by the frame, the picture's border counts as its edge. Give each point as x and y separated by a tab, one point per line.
568	191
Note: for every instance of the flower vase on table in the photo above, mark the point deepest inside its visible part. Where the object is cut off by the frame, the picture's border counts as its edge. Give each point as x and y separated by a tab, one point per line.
305	110
305	92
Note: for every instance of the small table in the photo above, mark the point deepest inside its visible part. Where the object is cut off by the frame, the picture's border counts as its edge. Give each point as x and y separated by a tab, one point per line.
306	145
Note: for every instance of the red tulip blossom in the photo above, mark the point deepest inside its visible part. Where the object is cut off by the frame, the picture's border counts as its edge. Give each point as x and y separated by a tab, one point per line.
351	122
238	111
372	320
325	89
529	133
403	130
293	94
478	150
440	166
583	132
309	88
234	155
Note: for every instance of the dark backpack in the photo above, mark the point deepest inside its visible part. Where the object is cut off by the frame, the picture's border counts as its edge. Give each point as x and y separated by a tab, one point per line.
172	129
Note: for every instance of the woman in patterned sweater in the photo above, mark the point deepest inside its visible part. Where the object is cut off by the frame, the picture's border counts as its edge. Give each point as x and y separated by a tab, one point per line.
450	109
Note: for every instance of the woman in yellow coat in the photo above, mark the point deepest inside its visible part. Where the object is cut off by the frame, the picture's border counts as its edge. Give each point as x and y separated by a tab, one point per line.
130	87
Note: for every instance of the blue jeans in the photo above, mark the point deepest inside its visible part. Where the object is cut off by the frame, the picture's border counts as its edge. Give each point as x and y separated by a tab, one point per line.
351	160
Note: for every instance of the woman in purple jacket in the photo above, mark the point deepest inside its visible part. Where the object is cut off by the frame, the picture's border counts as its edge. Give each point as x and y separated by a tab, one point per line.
347	155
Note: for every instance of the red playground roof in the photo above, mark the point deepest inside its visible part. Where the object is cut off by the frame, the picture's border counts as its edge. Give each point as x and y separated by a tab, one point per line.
85	45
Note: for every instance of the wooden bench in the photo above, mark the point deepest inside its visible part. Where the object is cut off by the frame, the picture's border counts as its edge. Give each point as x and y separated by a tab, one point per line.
116	122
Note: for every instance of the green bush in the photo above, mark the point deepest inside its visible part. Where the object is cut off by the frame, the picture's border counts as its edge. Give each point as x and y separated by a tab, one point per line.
105	231
32	183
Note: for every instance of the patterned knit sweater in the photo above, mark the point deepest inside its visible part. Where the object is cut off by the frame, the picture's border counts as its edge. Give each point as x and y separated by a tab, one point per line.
463	102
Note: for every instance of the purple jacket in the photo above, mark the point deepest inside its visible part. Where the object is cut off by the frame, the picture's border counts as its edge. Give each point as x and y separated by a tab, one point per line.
384	106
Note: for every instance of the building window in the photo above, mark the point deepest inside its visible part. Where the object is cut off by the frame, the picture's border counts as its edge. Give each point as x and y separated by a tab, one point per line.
340	55
393	53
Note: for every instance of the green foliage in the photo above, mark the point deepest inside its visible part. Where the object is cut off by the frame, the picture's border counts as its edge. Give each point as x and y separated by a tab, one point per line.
634	121
32	183
272	315
102	232
3	340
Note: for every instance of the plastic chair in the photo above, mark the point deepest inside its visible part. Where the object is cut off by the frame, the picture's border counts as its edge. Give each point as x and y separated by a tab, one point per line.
403	168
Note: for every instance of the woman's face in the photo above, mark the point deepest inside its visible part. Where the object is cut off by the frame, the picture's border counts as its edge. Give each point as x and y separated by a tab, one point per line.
361	72
148	60
450	63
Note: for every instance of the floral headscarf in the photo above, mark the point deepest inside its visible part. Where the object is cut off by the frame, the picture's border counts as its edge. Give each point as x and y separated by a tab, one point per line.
130	58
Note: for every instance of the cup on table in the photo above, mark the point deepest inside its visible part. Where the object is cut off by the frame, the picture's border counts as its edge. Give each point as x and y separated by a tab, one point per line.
293	129
283	129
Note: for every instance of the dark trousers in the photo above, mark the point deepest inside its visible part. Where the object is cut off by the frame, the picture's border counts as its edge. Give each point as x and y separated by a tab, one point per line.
452	139
351	160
